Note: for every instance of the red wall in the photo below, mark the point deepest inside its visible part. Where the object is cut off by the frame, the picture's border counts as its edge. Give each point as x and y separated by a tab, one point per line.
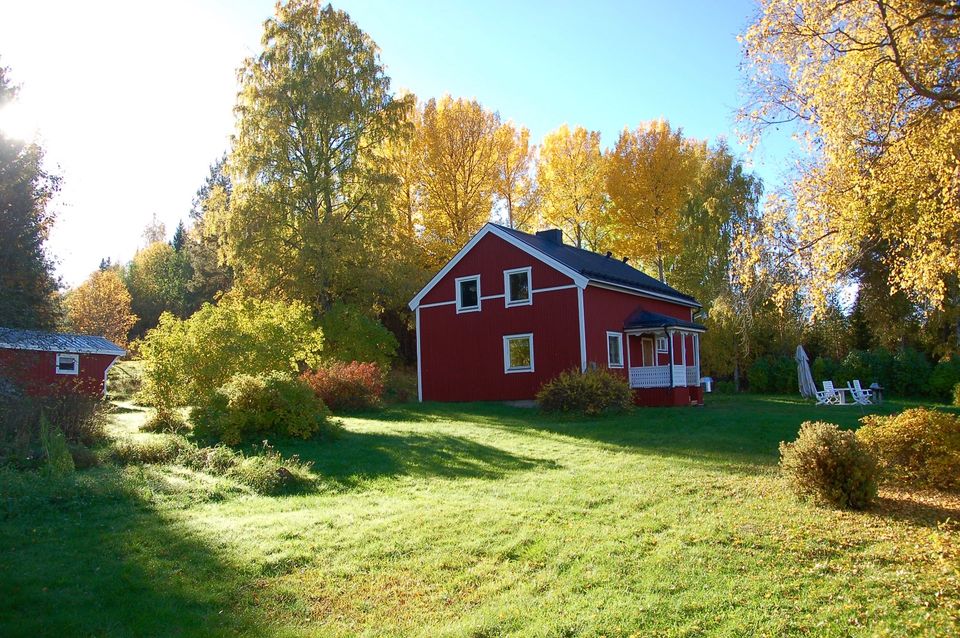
462	355
607	310
35	372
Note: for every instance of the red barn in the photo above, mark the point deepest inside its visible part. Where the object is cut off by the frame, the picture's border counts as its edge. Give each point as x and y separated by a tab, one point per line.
43	363
512	310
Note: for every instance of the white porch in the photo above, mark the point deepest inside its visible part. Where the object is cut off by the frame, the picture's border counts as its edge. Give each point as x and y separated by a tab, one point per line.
676	367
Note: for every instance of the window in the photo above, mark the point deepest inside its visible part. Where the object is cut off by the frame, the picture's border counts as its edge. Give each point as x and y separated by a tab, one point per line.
614	350
68	364
662	344
518	353
468	293
516	284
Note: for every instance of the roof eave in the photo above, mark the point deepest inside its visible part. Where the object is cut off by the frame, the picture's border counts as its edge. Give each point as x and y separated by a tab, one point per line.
643	292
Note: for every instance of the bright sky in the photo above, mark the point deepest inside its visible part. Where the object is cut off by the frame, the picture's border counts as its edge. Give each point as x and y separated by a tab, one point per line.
133	100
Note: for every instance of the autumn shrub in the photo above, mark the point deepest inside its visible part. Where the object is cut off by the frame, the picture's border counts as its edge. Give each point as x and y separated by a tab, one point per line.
344	387
267	472
596	391
165	419
956	395
185	361
919	446
830	465
250	407
158	448
352	335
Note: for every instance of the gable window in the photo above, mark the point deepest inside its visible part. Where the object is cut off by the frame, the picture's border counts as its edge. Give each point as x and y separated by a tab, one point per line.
516	284
68	364
614	350
468	293
662	344
518	353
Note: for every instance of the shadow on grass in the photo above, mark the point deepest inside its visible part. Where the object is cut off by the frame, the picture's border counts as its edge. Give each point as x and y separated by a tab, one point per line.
89	555
917	507
741	431
358	457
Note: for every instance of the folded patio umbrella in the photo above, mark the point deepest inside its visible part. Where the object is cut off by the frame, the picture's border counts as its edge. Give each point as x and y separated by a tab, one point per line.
807	388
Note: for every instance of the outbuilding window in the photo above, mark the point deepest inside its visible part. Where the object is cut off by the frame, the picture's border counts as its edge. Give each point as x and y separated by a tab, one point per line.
614	350
468	293
68	364
516	284
518	353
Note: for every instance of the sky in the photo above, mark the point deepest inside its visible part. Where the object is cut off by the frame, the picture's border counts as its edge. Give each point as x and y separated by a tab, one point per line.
133	100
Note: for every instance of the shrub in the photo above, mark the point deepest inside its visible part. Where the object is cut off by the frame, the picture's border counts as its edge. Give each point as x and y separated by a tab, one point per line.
944	378
254	407
956	395
773	374
165	419
759	375
595	391
724	387
267	472
911	373
59	461
352	335
824	368
830	464
159	448
83	457
124	380
347	386
187	360
400	385
920	446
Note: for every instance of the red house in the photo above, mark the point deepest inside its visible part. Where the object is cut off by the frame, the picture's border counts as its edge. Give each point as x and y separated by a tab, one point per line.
44	363
512	310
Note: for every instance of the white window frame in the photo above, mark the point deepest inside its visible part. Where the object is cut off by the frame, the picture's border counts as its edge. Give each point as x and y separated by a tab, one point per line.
506	352
76	363
506	287
663	345
619	337
460	307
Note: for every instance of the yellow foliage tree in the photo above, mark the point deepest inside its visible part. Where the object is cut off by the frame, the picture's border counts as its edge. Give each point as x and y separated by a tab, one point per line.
650	176
457	171
873	88
571	175
101	306
516	187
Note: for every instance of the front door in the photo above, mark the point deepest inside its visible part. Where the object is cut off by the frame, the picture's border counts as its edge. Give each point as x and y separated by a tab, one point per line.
648	353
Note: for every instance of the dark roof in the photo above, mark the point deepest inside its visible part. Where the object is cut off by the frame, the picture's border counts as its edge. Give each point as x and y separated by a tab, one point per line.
16	339
645	319
597	267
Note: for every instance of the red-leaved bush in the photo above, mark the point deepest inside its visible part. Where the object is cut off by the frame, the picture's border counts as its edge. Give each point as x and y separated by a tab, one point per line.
347	386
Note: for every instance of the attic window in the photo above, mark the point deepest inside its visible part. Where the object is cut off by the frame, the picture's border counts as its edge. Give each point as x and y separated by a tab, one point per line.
68	364
468	293
516	283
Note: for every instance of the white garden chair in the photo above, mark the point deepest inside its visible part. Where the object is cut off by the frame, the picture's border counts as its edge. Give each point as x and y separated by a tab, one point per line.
829	395
861	396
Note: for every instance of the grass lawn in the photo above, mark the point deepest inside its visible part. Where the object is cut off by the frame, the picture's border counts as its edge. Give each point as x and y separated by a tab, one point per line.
485	520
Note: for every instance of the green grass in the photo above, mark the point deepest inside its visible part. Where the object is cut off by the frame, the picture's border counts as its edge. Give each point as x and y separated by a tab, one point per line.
485	520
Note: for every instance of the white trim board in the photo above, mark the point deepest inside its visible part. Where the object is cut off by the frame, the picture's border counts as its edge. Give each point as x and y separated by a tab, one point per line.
419	361
583	331
488	229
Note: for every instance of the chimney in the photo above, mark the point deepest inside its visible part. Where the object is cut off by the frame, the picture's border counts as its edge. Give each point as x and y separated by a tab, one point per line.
626	259
609	254
553	235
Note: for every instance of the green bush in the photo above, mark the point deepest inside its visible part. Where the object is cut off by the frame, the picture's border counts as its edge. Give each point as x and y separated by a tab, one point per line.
911	373
944	378
723	387
400	385
773	375
187	360
352	335
255	407
759	376
824	369
59	461
830	465
267	472
593	392
83	457
919	446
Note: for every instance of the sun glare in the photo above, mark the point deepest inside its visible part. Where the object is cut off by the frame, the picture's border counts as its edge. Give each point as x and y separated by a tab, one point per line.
17	121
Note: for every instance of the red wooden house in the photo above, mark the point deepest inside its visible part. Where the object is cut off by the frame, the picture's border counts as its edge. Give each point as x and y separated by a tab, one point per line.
512	310
45	363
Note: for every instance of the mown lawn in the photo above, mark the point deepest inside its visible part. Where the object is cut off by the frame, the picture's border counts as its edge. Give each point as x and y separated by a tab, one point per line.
486	520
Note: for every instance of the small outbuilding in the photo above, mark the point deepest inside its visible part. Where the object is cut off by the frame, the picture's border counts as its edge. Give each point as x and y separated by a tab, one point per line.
46	363
512	310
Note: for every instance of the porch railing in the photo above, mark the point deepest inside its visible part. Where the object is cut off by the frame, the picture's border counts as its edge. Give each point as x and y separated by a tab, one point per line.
659	376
